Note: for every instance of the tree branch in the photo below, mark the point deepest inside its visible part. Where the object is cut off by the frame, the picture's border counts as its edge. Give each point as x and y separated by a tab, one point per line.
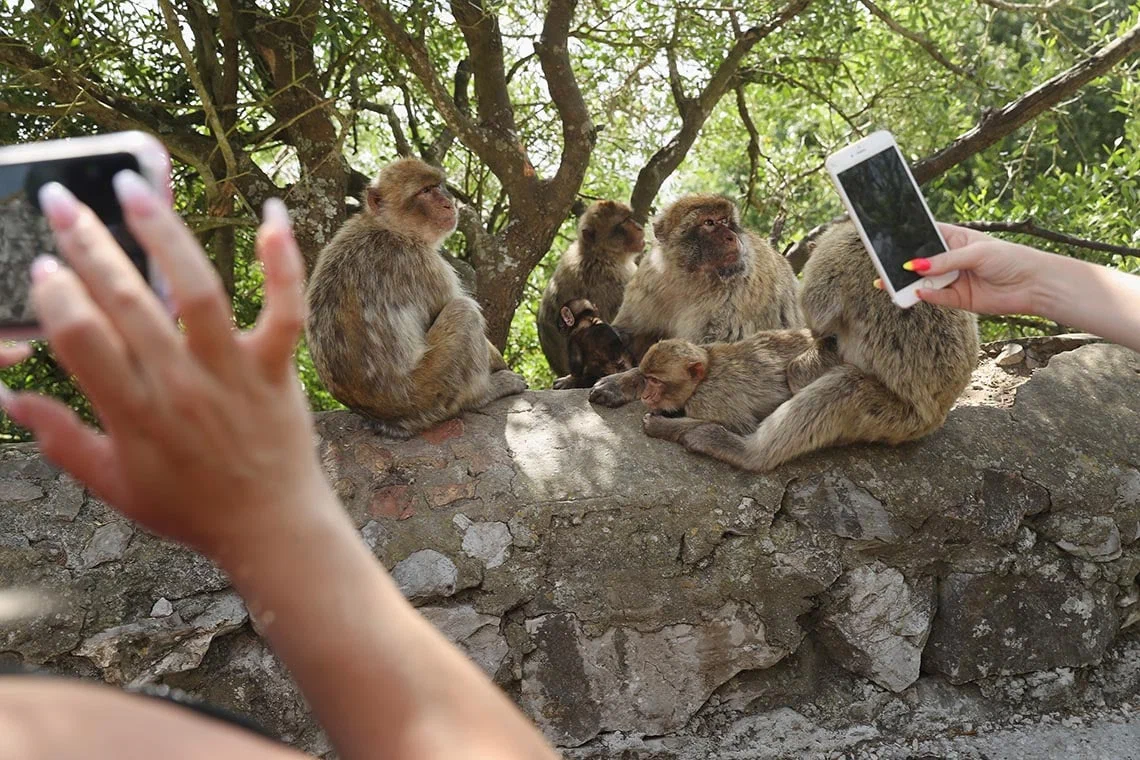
174	34
921	41
669	157
1001	5
508	162
1029	227
403	147
480	30
997	124
578	134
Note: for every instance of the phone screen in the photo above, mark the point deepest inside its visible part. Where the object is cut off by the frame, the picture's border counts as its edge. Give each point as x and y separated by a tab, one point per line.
24	233
892	214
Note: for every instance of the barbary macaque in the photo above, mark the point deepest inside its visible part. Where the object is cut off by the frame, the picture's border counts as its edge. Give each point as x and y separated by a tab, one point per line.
392	335
597	267
706	280
595	348
875	373
735	385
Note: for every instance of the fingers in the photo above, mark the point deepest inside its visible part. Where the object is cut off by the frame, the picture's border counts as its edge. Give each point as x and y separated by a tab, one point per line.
64	439
274	336
960	237
111	279
195	287
14	353
948	296
960	258
84	340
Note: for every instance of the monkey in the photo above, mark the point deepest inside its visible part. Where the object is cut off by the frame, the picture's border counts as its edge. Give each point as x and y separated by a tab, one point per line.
596	267
391	332
735	385
594	348
876	372
705	280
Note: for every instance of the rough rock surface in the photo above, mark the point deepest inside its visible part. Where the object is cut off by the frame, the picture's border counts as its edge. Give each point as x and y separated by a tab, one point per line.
641	602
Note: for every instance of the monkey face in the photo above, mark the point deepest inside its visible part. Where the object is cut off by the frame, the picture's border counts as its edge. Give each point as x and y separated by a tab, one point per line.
435	204
713	244
632	236
673	369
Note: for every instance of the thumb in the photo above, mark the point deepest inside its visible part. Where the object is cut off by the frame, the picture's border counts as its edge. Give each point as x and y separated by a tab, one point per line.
948	296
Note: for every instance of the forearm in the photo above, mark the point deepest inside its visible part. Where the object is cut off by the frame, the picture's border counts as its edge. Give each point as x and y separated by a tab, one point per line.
1093	298
381	680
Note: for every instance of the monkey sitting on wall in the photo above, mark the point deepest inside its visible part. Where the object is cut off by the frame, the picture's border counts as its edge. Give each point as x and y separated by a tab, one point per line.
391	333
705	280
735	385
875	373
596	267
594	347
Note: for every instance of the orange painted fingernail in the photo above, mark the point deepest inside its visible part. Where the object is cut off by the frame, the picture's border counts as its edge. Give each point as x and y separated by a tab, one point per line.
917	265
878	283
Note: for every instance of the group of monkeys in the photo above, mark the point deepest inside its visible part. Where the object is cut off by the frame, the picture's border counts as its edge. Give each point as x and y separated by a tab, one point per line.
733	357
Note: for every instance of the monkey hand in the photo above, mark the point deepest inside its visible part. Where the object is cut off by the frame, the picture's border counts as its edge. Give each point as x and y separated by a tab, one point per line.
617	390
669	428
208	438
507	383
564	383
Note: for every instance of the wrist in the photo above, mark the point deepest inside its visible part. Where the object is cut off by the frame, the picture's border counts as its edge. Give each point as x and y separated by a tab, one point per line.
282	527
1049	290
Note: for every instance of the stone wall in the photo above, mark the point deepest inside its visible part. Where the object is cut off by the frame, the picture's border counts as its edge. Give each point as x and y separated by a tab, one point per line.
639	601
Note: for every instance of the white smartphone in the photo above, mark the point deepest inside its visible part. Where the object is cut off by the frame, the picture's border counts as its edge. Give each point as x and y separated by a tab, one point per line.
85	166
890	213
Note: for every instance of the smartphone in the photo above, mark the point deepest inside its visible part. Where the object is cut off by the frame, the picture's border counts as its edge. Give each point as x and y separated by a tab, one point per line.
889	212
85	166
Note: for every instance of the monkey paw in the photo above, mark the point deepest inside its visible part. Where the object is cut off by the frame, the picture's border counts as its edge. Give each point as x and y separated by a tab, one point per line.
507	383
563	383
608	392
666	428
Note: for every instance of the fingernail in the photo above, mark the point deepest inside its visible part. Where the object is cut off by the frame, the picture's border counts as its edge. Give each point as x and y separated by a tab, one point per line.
917	265
43	266
275	213
6	395
134	192
878	283
58	205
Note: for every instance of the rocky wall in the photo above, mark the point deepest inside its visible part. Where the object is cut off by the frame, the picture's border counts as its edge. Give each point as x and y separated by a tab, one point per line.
639	601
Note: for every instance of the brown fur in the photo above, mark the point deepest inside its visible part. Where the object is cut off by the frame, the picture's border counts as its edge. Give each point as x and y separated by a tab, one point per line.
391	333
705	280
876	372
732	384
595	348
596	267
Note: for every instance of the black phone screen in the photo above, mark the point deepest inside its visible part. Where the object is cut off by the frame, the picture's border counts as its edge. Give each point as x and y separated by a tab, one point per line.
24	233
892	214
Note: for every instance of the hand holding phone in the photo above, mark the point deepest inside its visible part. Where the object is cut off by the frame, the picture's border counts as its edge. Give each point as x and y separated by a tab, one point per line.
889	212
85	166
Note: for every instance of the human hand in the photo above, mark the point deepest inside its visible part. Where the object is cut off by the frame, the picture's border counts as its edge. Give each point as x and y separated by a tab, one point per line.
994	276
207	434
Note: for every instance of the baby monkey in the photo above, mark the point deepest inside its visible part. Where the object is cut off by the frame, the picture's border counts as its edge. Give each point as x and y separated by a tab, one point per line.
735	385
594	348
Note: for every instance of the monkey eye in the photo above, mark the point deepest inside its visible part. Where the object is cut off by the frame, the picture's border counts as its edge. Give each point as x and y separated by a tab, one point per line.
709	222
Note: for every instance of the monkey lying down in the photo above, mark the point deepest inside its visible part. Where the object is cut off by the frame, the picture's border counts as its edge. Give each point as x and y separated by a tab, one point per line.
867	371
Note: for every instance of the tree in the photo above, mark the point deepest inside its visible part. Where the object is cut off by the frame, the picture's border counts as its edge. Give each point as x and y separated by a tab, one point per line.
535	109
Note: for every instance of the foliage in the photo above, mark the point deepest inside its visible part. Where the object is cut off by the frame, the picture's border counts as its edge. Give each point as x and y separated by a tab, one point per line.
830	72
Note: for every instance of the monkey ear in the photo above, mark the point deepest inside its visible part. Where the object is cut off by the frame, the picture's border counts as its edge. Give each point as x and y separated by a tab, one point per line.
567	316
696	371
372	199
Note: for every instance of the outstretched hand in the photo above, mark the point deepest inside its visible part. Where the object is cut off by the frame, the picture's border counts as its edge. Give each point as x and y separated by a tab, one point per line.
207	433
994	276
